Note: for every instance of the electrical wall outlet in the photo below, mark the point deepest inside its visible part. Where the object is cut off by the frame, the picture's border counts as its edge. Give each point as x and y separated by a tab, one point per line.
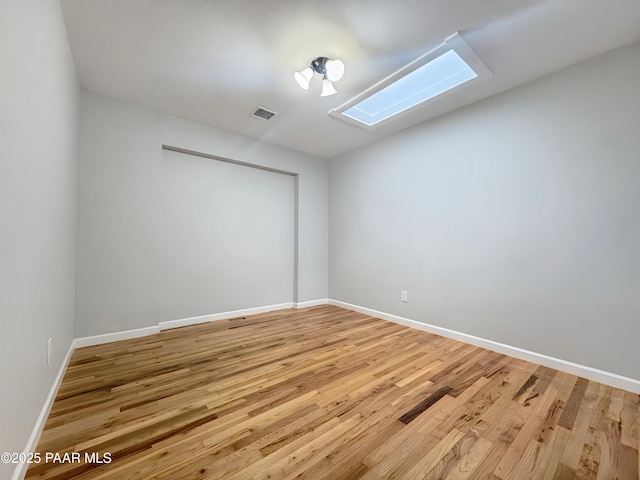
49	350
403	296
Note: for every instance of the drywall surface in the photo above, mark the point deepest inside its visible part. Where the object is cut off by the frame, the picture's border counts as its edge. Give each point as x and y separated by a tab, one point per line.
516	219
121	218
38	133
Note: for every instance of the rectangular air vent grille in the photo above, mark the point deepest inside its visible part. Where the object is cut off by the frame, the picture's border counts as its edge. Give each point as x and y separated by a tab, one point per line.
263	113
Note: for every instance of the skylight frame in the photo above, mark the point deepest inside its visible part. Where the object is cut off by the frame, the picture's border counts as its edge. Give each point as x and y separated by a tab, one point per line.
454	42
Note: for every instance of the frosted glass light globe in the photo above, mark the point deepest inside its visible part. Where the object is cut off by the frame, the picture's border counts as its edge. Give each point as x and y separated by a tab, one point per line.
335	70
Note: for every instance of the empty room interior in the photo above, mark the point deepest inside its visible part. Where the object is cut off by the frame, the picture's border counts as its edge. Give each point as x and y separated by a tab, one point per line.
320	239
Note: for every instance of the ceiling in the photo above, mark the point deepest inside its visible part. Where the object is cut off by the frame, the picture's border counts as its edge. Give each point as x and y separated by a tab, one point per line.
214	61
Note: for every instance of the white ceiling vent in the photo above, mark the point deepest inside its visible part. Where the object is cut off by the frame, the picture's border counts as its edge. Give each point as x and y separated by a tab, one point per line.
263	113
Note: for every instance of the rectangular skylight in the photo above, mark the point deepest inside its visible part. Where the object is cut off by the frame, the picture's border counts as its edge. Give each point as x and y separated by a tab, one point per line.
443	69
436	77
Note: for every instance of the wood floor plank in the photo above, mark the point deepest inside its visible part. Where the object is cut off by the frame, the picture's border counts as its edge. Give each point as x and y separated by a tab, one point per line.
325	393
578	437
630	419
424	405
557	444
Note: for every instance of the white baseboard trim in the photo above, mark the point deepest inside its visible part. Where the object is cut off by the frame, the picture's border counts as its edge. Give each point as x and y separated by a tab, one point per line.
184	322
590	373
21	469
115	337
311	303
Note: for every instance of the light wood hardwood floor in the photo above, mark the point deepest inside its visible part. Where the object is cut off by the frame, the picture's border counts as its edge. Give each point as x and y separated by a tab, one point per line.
328	394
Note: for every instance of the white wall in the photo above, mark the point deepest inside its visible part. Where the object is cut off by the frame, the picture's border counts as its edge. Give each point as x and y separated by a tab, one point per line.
516	219
38	121
120	214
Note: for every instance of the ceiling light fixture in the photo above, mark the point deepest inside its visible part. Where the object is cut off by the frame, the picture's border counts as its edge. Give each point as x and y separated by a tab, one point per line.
331	71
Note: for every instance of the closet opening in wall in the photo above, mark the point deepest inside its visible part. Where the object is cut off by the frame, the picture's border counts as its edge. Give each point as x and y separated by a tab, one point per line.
228	235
